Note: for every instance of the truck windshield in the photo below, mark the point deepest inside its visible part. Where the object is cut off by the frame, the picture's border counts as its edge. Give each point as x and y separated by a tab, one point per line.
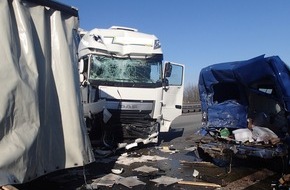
128	70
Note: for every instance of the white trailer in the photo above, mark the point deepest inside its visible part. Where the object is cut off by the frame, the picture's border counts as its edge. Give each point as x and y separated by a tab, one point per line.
41	120
123	76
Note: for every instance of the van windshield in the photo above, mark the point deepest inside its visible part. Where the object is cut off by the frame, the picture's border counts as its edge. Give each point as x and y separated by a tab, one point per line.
112	69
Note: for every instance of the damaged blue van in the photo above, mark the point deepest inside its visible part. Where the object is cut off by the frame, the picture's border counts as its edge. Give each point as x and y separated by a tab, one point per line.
245	108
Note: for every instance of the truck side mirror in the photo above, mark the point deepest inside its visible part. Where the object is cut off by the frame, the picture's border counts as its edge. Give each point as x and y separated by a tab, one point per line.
165	82
168	69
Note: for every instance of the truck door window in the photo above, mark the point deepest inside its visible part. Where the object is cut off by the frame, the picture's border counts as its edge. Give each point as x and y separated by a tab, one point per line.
176	76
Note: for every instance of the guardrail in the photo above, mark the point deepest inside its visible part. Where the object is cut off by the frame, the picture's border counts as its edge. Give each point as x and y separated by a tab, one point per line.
193	107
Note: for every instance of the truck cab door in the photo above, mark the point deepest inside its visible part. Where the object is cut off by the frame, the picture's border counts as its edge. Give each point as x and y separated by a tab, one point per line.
172	94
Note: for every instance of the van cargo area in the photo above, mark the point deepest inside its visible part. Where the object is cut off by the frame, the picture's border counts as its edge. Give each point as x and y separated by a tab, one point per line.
245	108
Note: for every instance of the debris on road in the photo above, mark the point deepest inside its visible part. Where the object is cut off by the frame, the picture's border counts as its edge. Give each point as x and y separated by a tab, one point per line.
249	180
199	183
130	181
125	159
111	179
107	180
8	187
165	180
146	169
193	148
168	149
117	171
195	173
204	164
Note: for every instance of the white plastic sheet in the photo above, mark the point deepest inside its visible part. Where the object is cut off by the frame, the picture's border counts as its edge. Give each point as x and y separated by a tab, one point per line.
41	119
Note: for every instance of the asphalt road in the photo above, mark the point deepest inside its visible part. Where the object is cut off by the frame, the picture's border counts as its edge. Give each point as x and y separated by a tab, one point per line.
179	161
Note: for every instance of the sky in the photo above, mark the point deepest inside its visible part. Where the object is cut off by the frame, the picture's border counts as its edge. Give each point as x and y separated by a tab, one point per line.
198	33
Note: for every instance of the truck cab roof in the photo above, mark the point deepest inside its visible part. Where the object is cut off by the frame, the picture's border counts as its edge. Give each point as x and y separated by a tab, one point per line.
119	41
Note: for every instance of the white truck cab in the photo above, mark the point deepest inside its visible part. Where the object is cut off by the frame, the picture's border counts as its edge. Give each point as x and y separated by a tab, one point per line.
128	91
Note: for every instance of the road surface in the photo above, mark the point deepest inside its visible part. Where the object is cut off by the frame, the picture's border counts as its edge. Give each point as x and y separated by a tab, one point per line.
179	160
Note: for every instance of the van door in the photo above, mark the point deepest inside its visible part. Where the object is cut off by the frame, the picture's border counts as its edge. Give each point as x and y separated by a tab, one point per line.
172	94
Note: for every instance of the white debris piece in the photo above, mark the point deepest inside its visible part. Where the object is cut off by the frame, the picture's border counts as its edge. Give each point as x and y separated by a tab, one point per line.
125	160
117	171
165	180
167	149
193	148
132	145
152	158
243	135
263	134
195	173
146	169
107	180
130	181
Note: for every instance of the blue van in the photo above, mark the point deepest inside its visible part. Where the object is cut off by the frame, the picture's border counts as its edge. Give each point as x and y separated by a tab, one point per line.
245	107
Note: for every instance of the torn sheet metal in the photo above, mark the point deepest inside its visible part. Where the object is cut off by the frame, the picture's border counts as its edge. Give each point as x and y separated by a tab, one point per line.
165	180
217	149
228	114
130	181
146	169
107	180
111	179
152	138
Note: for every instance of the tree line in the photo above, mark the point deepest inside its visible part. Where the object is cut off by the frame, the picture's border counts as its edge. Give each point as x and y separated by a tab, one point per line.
191	93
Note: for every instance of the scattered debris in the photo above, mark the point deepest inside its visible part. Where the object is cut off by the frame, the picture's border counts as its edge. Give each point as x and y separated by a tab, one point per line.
203	164
146	169
132	145
193	148
8	187
168	149
195	173
243	135
213	179
198	183
263	134
285	179
125	159
117	171
130	181
165	180
107	180
249	180
111	179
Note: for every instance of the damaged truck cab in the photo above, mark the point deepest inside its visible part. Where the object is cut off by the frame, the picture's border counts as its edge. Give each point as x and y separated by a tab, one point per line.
129	94
245	107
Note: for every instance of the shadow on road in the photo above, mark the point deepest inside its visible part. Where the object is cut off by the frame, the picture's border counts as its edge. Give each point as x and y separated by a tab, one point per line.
172	134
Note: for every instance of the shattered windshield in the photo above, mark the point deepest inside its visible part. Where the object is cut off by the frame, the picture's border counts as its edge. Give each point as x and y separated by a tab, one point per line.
112	69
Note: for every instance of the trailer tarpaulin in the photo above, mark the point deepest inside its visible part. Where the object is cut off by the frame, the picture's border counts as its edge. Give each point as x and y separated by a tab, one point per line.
41	119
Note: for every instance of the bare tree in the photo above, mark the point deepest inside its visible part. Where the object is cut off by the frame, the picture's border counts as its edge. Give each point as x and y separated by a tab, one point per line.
191	93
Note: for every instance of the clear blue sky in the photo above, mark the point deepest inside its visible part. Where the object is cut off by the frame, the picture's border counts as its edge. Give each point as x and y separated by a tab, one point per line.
198	33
